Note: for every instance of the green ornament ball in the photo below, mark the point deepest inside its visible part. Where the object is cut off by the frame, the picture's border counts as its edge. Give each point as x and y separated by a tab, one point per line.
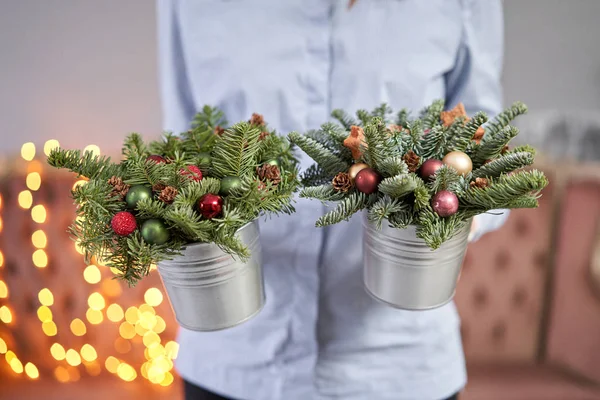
137	193
155	232
204	158
275	161
228	184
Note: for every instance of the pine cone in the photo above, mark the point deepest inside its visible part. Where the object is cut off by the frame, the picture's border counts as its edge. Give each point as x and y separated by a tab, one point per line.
218	130
480	183
257	120
269	172
120	188
158	187
342	182
167	195
263	135
411	160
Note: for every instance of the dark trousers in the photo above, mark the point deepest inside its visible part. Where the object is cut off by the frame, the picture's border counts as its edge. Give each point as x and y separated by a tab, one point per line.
193	392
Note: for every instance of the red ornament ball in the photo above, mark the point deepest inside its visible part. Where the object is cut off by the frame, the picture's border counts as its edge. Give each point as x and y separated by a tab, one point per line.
367	180
444	203
429	168
157	159
210	205
192	172
123	223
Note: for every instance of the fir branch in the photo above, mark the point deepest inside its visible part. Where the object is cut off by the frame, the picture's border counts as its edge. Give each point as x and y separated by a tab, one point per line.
446	178
431	114
402	117
235	152
413	139
382	112
200	139
460	134
392	166
323	193
524	148
183	218
364	117
190	194
134	146
344	210
399	185
315	176
383	209
149	208
86	165
344	119
492	145
433	144
209	117
401	219
504	164
422	196
501	121
379	147
324	157
435	230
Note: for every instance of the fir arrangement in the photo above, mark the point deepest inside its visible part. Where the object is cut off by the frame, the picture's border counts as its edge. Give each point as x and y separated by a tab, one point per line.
200	186
435	171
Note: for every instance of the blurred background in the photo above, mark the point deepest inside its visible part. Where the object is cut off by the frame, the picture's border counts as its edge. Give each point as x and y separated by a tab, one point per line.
83	73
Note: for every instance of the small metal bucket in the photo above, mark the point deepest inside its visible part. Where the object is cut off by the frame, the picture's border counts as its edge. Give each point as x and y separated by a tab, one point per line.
210	290
400	270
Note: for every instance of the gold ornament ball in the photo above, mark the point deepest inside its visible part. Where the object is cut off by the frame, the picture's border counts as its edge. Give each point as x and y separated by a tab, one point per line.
355	169
459	161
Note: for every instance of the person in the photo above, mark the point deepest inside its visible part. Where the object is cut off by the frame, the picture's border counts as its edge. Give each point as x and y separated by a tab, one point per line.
320	336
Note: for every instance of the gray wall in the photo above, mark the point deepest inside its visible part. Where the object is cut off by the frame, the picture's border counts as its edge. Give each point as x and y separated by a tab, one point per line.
84	71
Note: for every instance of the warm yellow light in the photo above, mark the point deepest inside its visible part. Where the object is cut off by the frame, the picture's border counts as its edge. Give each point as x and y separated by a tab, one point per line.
94	316
33	181
44	314
126	330
35	166
3	346
1	224
1	259
112	364
148	321
155	375
144	370
78	327
156	351
74	374
79	249
160	325
61	374
28	151
38	214
6	315
25	199
140	330
152	267
31	371
9	356
151	338
122	346
49	328
79	183
88	353
153	297
58	352
16	365
39	239
172	349
1	201
111	288
95	150
168	379
114	312
161	363
40	258
96	301
93	368
126	372
50	145
46	298
132	315
145	308
73	358
3	290
92	274
147	353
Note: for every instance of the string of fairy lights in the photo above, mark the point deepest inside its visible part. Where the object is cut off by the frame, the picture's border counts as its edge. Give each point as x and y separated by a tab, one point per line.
133	322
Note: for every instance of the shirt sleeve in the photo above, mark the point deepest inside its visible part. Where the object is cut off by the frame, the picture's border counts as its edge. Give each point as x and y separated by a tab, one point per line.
476	78
177	102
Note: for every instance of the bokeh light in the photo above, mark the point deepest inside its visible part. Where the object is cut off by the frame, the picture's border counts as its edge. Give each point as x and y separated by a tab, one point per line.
95	150
3	347
38	214
73	358
96	301
58	352
16	365
132	315
168	379
94	316
44	314
31	371
49	328
50	145
92	274
153	297
40	258
39	239
3	290
114	313
6	315
78	327
61	374
25	199
172	349
93	368
122	346
28	151
112	364
88	353
151	338
126	372
126	330
46	297
33	181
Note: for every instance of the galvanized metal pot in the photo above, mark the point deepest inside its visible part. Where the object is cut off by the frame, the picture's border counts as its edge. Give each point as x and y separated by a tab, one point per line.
211	290
403	272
